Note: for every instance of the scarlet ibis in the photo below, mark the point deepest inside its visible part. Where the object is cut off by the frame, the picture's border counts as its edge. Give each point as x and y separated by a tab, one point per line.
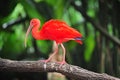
55	30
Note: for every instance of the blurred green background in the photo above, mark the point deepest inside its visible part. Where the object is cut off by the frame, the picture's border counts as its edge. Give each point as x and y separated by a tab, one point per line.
100	52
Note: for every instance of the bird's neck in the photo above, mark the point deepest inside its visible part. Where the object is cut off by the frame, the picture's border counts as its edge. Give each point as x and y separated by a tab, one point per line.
36	33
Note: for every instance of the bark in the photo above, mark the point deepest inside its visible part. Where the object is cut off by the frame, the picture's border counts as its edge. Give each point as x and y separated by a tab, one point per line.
68	70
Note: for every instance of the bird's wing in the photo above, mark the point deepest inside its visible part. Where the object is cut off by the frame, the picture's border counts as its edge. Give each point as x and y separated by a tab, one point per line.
58	30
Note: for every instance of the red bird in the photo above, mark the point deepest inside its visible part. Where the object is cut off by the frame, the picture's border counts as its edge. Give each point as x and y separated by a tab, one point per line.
54	30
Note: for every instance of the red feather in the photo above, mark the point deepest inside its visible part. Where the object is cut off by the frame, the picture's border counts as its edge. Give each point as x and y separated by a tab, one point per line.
59	31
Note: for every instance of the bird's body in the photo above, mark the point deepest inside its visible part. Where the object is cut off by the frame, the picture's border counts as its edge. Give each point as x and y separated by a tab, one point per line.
54	30
58	31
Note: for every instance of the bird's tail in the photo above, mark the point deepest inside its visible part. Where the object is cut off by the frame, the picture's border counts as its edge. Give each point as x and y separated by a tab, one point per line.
79	40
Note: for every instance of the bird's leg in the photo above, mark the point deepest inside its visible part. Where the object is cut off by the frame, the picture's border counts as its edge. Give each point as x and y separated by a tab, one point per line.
56	50
64	52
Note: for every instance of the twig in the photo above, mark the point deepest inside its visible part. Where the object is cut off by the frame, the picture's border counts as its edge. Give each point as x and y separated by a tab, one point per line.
71	71
96	25
13	22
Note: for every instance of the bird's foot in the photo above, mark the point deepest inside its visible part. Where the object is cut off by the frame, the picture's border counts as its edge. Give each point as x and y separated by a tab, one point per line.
62	63
45	61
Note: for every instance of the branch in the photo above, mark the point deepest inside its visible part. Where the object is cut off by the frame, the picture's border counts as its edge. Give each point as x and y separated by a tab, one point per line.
39	66
13	22
96	25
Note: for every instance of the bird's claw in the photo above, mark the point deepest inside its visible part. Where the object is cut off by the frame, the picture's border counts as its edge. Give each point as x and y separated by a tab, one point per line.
62	63
45	61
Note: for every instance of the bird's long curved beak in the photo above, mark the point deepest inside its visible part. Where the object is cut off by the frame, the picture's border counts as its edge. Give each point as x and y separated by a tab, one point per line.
27	33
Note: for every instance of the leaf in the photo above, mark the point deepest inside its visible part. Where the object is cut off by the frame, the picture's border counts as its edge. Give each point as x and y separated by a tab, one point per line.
12	43
89	47
58	6
31	9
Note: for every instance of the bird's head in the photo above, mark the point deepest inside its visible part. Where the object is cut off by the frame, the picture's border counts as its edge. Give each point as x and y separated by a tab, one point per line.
34	22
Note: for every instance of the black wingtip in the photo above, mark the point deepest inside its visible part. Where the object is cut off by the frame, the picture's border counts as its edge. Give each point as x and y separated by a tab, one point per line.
79	38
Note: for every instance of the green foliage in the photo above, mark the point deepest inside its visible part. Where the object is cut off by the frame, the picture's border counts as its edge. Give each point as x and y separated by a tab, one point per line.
44	46
58	6
18	10
30	9
4	5
89	43
89	47
92	8
13	43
